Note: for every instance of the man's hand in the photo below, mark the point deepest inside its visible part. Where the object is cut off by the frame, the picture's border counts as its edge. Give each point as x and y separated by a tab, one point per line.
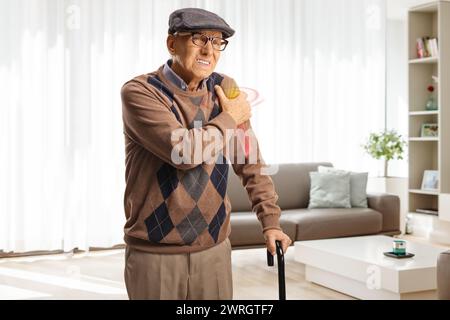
238	108
273	234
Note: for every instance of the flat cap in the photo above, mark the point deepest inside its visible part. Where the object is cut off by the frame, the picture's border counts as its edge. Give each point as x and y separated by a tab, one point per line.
192	19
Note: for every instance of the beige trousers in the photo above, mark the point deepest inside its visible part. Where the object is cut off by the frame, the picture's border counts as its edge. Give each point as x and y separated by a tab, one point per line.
204	275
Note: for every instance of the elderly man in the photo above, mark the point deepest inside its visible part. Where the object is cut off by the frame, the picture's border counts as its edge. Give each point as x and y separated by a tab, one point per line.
178	213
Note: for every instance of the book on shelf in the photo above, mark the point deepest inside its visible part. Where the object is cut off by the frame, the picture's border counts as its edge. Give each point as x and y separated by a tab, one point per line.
427	211
427	47
420	48
433	47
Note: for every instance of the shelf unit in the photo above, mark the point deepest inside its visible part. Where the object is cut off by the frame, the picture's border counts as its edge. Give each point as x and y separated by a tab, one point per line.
430	153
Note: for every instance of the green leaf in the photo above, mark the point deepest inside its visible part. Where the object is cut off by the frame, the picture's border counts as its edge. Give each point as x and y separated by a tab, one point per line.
387	145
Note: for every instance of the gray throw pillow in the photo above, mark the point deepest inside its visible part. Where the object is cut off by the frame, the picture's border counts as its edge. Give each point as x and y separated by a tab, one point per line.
358	186
329	190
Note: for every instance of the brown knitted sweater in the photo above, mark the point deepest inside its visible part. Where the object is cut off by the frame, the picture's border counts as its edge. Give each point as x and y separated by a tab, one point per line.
174	207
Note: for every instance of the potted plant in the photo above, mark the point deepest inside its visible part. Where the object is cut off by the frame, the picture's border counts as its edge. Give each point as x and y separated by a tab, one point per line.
387	145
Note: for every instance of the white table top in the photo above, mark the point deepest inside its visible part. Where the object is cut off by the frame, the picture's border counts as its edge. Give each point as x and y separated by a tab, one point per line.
369	249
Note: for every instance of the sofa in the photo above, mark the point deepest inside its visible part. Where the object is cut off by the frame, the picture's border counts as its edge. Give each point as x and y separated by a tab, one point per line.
292	184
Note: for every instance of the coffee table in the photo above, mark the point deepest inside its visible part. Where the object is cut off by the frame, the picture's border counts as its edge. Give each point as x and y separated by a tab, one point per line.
357	267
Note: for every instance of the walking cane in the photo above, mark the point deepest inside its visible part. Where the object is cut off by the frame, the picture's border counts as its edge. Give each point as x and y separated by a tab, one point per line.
280	263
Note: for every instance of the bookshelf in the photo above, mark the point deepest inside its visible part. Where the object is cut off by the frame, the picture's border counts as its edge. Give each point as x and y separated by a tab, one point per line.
429	152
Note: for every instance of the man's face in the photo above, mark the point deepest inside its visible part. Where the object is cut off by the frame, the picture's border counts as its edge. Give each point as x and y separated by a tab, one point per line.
197	62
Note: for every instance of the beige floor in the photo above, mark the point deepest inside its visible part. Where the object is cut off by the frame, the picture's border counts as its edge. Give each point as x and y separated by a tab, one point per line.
98	275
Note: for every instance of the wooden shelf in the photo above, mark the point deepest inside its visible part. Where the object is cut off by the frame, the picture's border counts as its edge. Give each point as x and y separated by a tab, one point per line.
424	139
424	113
425	192
424	60
426	7
427	213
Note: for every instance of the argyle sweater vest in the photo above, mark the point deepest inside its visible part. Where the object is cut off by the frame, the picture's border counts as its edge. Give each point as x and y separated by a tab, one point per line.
173	207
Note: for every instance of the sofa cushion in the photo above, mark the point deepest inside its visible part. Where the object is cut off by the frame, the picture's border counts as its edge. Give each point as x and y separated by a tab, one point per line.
246	229
358	186
329	190
292	184
315	224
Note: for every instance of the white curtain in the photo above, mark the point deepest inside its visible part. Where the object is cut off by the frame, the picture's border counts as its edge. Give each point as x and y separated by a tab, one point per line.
319	64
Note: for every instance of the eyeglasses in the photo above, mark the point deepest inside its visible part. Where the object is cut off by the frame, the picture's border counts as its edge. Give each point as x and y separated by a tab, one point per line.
201	40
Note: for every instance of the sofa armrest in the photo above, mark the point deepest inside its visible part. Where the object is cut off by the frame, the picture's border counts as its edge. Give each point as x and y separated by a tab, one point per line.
389	206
